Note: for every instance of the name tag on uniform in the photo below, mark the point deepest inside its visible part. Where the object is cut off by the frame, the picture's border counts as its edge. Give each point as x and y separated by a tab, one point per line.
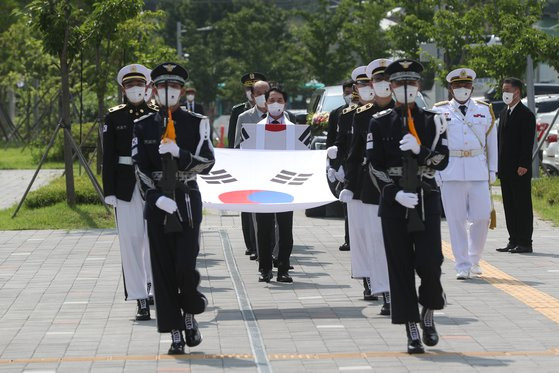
150	142
123	127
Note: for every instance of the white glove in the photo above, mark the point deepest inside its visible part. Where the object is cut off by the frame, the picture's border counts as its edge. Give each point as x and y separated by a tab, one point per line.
331	173
409	142
492	177
110	200
346	196
166	204
332	152
408	200
340	174
169	147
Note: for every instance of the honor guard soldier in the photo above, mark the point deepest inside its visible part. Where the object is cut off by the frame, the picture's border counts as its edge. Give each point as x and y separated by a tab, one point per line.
359	185
472	166
247	81
339	152
120	187
406	145
170	148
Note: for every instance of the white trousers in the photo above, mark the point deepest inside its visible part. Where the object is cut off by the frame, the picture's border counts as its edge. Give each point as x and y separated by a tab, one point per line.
467	206
368	257
134	246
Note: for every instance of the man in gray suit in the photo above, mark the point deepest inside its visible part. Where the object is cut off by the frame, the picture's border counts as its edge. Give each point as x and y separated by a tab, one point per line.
256	113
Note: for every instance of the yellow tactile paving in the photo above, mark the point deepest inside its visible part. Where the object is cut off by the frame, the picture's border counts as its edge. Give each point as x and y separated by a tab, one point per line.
533	298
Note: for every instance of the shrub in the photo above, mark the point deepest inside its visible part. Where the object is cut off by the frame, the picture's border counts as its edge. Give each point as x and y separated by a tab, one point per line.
55	192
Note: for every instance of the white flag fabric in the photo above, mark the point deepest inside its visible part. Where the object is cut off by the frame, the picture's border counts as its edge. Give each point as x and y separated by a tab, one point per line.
275	136
266	180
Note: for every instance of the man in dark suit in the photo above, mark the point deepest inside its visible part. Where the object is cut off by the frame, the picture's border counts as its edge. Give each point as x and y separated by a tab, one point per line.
517	128
190	104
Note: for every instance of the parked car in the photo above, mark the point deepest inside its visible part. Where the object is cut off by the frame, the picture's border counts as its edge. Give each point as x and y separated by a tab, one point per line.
550	147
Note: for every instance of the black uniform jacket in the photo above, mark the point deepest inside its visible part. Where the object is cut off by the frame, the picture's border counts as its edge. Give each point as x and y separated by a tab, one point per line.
235	112
343	137
196	152
333	119
516	140
383	152
119	178
357	176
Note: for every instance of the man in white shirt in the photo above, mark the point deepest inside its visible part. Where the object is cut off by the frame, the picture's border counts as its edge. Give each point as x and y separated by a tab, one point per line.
472	144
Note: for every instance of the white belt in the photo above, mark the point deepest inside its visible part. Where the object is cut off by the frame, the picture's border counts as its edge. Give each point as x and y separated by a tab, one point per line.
465	153
125	160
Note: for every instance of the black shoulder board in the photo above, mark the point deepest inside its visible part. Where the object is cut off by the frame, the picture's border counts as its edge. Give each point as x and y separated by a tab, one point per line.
382	113
364	108
350	108
118	107
143	117
196	114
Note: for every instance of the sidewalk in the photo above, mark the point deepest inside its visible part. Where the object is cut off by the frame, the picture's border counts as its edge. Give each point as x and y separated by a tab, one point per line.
62	309
14	182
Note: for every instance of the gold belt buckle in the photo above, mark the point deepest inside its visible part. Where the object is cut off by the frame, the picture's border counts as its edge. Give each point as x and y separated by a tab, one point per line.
466	153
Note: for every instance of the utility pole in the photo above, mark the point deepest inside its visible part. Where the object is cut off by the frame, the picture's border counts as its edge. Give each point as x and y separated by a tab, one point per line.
532	106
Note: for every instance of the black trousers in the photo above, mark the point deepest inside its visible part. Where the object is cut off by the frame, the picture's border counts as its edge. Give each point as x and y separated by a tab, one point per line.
266	238
248	231
517	201
346	225
173	264
406	254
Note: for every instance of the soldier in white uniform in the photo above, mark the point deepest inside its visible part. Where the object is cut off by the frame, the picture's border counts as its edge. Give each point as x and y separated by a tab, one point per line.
472	144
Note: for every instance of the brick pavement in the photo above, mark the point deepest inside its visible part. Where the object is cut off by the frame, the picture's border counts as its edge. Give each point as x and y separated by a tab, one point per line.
62	309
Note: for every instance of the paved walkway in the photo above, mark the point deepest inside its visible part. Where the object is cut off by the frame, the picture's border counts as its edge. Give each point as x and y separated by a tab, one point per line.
14	182
62	309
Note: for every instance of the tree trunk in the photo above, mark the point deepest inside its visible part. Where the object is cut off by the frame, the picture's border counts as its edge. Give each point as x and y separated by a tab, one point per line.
65	117
100	111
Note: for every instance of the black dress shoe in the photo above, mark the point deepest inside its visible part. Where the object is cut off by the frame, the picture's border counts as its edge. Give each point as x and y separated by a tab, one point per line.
151	301
385	309
367	292
192	334
414	343
521	249
284	277
506	249
265	276
430	336
249	252
142	311
253	257
344	247
177	348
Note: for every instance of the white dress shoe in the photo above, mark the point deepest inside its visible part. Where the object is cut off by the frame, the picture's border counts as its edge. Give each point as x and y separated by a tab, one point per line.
462	275
475	270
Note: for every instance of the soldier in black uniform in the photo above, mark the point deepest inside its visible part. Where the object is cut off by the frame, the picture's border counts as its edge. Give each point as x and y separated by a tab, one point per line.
173	255
121	190
247	81
359	185
408	250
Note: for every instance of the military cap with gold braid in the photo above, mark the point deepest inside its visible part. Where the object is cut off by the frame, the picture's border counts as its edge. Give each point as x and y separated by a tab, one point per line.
249	79
169	72
377	66
359	75
461	75
134	71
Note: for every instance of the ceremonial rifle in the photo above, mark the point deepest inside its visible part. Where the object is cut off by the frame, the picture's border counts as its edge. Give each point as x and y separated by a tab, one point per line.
410	181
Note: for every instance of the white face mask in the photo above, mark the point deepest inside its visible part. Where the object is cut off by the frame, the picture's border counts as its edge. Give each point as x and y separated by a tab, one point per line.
348	98
366	93
135	94
382	89
249	95
400	94
173	95
275	109
147	95
260	101
190	98
508	97
462	94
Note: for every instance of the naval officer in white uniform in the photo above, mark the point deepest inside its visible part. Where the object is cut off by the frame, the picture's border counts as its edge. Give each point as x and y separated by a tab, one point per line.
465	182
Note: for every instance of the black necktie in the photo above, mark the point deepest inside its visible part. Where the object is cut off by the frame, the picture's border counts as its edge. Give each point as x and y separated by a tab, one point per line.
463	109
275	122
263	116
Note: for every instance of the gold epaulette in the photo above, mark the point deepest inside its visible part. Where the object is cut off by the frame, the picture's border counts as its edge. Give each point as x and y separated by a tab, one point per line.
350	108
118	107
153	106
482	102
364	108
441	103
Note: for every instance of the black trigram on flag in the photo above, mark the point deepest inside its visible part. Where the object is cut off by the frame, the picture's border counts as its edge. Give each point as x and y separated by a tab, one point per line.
290	178
218	177
306	137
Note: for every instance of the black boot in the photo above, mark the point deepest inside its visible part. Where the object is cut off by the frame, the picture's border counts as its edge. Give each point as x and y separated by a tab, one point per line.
414	343
367	292
344	247
385	309
151	302
430	335
192	334
142	312
177	344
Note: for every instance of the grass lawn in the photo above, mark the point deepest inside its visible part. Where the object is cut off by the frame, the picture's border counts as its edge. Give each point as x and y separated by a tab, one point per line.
545	211
19	159
57	216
